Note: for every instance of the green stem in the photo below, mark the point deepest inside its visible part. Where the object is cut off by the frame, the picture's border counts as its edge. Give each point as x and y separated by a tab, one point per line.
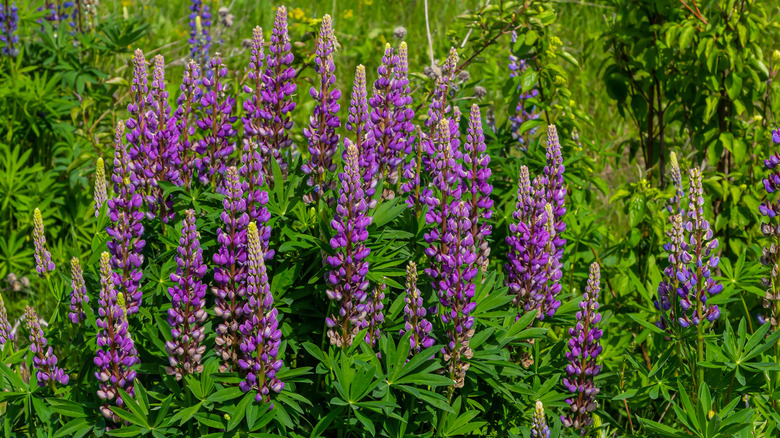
699	368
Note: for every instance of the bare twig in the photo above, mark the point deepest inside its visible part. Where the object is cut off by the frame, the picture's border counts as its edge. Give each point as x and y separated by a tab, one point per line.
428	31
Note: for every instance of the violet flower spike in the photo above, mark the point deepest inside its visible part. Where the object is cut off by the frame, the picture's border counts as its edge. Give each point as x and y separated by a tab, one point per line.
374	314
671	287
101	194
456	292
140	128
217	123
359	124
43	263
9	25
261	336
440	107
200	24
164	147
414	314
383	123
411	174
6	331
44	360
476	184
252	120
78	295
584	348
186	122
321	132
187	314
116	353
347	281
256	195
539	427
277	94
126	229
230	271
698	276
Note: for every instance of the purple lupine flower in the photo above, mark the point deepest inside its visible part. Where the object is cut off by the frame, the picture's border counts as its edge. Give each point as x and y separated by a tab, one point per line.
675	204
374	314
382	128
321	132
256	196
555	187
539	427
527	241
769	256
230	270
44	360
200	24
78	295
217	123
261	336
277	94
671	286
126	229
6	331
525	110
476	160
403	114
186	121
447	176
252	120
584	348
101	194
43	263
9	24
188	298
347	280
359	124
699	251
140	127
116	352
456	291
440	108
414	314
163	149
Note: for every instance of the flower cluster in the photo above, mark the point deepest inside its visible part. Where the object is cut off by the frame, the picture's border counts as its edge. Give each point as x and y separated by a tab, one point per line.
186	121
9	24
200	25
261	336
187	314
126	229
101	194
414	314
359	124
78	295
140	127
771	230
321	132
44	360
539	427
440	109
525	110
697	277
671	286
230	270
116	352
584	348
6	331
476	184
675	204
251	119
43	263
164	157
347	280
535	242
386	142
374	314
217	123
278	87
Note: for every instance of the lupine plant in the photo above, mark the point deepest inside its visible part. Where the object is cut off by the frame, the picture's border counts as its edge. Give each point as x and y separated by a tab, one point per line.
257	269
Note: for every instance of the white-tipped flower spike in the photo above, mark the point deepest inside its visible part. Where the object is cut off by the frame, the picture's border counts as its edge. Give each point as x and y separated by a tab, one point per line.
101	194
